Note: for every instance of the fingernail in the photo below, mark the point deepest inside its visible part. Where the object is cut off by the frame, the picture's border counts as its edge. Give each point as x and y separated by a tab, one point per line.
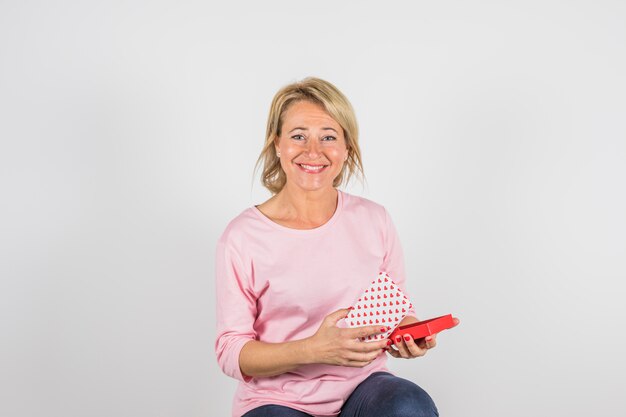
398	338
407	338
382	329
429	338
389	342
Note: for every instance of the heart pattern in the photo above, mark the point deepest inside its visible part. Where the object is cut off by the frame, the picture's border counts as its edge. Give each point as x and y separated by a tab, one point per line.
382	303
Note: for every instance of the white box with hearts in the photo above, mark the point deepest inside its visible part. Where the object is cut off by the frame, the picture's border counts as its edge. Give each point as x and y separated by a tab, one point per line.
382	303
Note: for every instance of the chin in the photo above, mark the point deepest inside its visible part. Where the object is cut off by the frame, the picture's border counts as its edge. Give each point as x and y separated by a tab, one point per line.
312	187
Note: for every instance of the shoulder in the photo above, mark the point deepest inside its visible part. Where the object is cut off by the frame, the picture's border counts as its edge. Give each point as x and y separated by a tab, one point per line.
238	228
364	207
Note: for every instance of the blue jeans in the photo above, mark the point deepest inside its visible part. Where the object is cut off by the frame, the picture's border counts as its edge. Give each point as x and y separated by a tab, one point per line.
379	395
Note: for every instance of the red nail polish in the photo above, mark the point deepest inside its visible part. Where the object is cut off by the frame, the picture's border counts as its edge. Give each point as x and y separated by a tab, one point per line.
398	339
407	338
382	330
389	342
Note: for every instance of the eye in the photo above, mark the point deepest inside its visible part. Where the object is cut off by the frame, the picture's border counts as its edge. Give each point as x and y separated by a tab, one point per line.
325	138
297	137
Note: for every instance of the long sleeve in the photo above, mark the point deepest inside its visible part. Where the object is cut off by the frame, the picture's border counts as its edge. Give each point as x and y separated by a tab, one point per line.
236	310
393	261
275	284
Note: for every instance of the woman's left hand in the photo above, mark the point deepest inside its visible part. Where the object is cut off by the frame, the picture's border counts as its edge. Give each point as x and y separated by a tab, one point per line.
407	348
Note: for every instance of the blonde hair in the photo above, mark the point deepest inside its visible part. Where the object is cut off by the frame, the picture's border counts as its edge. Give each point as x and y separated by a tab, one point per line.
336	105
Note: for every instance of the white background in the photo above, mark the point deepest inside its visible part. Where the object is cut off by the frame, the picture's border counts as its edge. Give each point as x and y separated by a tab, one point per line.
494	132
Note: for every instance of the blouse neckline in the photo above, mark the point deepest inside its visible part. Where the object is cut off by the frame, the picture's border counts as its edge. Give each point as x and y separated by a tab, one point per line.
329	223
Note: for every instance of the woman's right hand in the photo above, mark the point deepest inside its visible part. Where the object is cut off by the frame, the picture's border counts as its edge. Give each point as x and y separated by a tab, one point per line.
336	346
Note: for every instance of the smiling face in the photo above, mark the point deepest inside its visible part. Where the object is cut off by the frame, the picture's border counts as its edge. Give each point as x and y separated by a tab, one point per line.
311	145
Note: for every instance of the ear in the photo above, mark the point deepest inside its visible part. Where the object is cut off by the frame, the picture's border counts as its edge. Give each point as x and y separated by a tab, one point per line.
276	143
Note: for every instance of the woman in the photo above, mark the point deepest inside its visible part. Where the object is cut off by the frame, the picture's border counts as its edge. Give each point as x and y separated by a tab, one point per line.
287	269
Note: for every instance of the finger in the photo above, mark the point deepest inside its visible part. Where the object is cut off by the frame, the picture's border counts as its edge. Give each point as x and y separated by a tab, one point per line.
413	348
362	357
365	347
402	350
365	331
356	364
431	341
337	315
428	342
456	321
393	352
388	346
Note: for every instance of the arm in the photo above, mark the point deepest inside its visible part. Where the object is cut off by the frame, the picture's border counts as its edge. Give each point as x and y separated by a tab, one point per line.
242	356
394	264
393	259
407	348
330	345
262	359
235	307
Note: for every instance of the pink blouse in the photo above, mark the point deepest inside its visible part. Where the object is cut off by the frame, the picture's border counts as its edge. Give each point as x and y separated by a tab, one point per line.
276	284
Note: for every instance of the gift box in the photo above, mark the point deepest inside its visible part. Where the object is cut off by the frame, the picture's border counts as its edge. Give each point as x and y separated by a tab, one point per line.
382	304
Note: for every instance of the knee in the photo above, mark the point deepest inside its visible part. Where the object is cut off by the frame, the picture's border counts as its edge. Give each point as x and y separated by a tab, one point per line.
409	400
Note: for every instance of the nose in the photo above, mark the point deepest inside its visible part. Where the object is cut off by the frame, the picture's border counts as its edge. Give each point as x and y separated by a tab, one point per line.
313	149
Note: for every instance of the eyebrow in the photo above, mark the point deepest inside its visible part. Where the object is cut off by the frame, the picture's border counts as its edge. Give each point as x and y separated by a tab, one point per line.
304	128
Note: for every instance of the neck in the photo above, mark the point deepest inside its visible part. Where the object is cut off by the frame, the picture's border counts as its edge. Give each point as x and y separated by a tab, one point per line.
309	206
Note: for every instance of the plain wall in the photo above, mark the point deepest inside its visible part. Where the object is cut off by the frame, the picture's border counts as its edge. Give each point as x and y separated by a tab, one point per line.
493	132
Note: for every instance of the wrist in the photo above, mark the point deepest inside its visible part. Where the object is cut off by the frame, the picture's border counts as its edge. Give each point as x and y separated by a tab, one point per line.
306	351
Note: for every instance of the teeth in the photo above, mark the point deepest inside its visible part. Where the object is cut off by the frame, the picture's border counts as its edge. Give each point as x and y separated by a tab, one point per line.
315	168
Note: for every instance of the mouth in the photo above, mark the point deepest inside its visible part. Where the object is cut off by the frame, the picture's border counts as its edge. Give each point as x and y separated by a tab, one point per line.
312	169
